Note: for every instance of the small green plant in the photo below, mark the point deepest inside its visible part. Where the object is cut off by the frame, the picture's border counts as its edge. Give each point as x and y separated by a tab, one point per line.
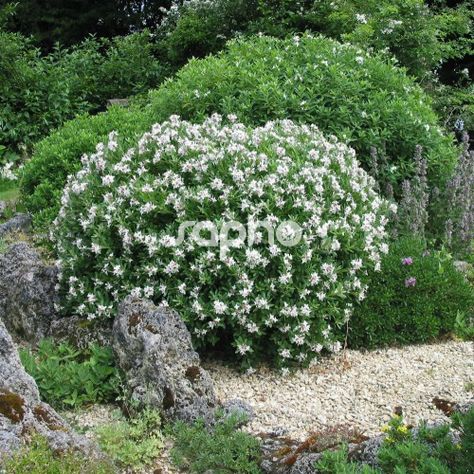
133	443
38	458
68	377
221	449
429	450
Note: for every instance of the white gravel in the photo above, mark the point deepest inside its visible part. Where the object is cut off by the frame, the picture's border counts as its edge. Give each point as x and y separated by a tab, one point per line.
356	388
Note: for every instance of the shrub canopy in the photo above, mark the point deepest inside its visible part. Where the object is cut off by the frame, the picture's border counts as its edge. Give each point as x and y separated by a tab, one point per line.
361	99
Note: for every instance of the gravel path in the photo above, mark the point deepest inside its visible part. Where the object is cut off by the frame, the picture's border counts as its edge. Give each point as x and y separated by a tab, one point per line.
357	388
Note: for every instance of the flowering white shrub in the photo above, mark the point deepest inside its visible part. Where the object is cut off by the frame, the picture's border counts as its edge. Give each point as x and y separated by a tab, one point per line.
118	233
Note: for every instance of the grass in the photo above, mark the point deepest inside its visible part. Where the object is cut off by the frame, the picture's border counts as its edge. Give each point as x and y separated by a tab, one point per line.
8	191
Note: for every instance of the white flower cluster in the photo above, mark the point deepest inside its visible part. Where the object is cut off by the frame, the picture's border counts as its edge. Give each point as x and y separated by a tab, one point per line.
117	231
7	172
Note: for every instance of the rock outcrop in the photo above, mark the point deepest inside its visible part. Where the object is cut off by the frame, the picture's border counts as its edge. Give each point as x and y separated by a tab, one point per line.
81	332
153	348
18	223
23	414
28	297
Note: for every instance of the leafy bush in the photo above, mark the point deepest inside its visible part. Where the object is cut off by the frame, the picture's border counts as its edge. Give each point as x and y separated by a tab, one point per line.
417	297
59	155
198	28
38	458
222	449
117	232
419	36
39	93
357	97
432	450
67	377
133	443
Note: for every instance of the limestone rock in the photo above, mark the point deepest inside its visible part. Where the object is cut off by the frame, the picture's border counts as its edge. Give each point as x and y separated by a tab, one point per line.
23	414
153	347
28	297
18	223
81	332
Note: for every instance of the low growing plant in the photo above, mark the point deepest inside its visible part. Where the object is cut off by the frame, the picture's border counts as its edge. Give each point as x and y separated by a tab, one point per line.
431	450
221	449
134	443
38	458
67	377
417	297
131	223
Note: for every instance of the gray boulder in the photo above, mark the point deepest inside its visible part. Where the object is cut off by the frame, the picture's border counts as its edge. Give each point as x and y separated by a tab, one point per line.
28	297
81	332
153	347
305	463
18	223
22	414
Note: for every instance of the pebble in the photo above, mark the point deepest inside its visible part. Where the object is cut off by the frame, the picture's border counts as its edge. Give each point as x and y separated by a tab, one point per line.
355	388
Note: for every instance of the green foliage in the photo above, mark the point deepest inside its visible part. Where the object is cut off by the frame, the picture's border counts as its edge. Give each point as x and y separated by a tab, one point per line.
39	93
38	458
430	451
359	98
419	37
133	443
335	462
196	29
220	449
394	313
67	377
368	104
70	21
59	155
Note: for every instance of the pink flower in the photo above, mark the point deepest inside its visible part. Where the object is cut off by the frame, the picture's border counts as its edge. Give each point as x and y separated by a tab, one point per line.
410	282
407	261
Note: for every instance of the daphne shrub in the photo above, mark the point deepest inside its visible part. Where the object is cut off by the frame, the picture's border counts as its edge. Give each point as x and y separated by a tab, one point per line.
117	230
417	297
362	99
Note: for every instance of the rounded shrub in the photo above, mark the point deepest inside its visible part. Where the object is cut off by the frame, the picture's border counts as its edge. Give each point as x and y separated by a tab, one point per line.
363	100
55	157
417	297
257	237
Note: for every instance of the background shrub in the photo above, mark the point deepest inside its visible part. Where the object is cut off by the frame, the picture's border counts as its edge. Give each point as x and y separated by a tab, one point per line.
398	310
67	377
39	93
59	155
115	234
359	98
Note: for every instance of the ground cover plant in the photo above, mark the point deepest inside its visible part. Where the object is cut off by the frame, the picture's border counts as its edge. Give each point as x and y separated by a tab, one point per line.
432	449
68	377
215	174
38	458
133	443
223	448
